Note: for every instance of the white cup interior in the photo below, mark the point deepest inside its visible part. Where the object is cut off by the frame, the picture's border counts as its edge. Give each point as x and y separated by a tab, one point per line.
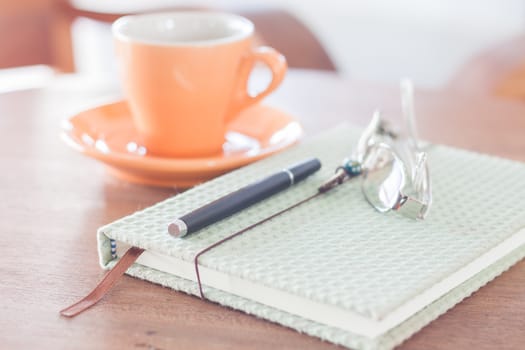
182	28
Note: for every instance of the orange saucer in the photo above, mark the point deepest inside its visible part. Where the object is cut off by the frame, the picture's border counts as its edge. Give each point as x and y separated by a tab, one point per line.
107	133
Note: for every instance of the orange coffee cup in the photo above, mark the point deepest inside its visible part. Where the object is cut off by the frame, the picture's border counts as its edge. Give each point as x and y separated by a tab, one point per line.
185	77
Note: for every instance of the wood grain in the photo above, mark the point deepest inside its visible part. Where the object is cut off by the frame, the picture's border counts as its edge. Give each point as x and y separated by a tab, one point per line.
53	200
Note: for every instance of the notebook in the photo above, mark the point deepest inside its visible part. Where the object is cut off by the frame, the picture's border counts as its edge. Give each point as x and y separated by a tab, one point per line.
335	268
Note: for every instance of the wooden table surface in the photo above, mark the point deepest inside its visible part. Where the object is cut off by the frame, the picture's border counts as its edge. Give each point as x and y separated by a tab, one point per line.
53	200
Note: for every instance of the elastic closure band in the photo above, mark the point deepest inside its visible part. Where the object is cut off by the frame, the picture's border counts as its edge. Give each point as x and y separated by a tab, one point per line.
238	233
112	276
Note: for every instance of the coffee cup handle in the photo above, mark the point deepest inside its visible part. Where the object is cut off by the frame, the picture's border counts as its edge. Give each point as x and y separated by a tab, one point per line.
271	58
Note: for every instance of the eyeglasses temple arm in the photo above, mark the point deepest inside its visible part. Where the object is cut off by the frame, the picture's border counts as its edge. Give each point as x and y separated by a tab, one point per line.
409	114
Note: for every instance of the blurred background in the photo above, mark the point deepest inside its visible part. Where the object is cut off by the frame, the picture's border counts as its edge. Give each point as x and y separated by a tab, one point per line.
470	46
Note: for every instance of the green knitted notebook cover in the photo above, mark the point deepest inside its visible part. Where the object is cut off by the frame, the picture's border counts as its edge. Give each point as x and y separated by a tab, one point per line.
374	279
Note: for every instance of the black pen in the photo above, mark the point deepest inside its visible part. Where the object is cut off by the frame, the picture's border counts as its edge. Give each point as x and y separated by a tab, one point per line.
242	198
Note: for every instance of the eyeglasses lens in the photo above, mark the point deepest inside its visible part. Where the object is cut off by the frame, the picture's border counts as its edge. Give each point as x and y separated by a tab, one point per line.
383	178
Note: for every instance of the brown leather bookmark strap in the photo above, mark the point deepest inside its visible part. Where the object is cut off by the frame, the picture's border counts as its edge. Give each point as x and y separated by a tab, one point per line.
105	285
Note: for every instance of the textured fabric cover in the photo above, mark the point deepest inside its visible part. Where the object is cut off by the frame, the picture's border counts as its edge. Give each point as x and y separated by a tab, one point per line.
337	249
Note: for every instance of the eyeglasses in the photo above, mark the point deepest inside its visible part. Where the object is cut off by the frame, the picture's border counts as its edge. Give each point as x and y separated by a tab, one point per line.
393	169
389	183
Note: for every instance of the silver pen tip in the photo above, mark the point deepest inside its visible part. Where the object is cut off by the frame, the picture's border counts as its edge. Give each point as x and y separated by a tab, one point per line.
177	228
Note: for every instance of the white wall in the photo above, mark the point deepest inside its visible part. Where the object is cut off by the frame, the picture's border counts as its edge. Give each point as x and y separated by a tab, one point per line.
427	40
383	40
